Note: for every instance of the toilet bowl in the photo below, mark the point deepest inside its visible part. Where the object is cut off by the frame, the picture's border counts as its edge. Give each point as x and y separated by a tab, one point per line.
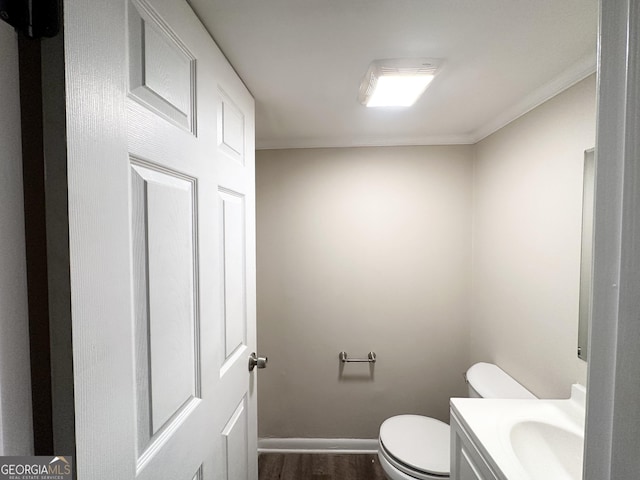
415	447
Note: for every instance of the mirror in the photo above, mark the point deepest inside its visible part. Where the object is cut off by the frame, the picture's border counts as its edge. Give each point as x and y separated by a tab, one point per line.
586	263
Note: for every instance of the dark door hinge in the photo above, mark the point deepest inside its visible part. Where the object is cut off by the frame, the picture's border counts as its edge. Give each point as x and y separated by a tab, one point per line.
34	18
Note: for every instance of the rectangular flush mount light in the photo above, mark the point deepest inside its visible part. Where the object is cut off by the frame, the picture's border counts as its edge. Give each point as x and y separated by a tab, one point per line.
396	82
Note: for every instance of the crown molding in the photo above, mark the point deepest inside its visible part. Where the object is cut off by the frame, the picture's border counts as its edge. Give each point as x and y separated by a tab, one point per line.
572	75
363	142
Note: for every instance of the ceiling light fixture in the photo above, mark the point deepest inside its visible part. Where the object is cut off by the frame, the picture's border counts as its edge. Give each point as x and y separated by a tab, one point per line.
396	82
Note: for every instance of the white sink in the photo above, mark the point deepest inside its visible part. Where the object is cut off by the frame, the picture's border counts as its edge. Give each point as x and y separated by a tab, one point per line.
548	451
528	439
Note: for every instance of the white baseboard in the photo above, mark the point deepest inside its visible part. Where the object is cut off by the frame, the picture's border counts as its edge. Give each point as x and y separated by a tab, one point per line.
317	445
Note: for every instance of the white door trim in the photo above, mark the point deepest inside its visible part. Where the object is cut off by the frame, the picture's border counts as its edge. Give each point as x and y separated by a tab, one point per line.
613	426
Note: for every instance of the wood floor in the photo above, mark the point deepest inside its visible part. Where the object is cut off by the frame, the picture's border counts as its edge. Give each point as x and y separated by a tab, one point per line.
305	466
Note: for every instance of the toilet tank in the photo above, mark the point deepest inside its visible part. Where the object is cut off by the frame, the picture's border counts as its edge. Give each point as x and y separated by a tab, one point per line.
486	380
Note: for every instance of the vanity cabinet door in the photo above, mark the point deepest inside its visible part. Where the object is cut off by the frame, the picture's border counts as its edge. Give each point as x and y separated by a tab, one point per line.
466	461
466	470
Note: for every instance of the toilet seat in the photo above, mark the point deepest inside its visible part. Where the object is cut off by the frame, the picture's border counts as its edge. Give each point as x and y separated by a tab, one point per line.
416	445
398	471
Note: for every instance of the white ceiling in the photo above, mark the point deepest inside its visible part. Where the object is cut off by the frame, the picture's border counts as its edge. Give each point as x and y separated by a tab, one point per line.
303	61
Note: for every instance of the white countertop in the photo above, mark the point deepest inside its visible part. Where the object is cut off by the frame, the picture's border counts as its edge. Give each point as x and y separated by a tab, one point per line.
527	439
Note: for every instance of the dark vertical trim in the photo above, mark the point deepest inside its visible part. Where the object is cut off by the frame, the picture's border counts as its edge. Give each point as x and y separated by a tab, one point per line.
34	19
36	242
54	114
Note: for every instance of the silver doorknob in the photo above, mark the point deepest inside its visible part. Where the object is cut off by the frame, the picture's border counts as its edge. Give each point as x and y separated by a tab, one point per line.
254	361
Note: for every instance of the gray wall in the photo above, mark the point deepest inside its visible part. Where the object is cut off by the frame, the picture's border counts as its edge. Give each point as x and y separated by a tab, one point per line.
361	249
15	389
371	249
526	250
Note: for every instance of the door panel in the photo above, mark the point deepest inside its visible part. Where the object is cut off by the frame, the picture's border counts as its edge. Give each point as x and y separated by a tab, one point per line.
235	444
166	325
162	245
162	71
232	225
231	128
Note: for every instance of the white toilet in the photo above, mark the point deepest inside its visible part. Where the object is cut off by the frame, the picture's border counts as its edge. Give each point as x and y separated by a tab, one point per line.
414	447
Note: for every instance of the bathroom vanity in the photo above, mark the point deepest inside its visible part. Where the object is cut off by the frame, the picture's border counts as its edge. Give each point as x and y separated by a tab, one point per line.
467	463
498	439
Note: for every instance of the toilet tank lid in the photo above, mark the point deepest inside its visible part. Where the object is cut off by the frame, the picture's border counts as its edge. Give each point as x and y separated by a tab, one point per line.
490	381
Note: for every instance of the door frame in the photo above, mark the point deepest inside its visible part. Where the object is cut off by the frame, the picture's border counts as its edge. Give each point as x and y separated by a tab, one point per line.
613	427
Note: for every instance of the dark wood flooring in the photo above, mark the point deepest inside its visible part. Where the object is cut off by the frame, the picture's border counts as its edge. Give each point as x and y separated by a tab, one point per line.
307	466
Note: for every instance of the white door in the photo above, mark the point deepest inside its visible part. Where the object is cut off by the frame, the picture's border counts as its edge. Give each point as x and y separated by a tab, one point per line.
161	211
